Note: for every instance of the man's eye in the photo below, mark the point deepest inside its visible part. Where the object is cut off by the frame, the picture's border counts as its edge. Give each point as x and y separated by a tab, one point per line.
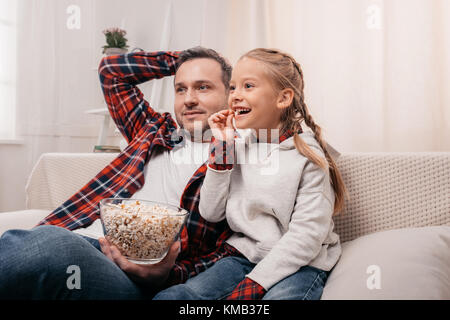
180	89
203	87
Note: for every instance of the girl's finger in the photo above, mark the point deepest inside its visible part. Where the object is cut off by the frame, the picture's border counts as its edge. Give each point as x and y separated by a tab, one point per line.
217	120
230	120
219	113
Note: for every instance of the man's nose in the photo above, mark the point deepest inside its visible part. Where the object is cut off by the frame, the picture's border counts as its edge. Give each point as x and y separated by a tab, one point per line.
190	98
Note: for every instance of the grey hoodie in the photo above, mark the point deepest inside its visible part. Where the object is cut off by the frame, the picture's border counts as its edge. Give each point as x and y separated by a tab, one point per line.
279	207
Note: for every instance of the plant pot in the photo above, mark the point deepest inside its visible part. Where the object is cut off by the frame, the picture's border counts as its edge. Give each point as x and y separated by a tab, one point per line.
115	51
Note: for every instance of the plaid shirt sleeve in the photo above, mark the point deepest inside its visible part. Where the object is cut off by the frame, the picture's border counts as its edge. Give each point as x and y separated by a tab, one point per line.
221	155
119	77
247	289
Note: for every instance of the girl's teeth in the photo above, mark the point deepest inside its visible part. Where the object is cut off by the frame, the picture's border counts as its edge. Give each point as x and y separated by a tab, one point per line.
240	111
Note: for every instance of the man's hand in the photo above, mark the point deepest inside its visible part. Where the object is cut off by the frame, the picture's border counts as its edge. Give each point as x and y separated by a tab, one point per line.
221	124
154	274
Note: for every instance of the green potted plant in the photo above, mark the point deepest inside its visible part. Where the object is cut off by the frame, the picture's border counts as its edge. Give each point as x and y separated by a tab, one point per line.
116	43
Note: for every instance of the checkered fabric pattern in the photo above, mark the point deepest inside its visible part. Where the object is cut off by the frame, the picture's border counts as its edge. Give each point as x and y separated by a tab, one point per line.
247	289
221	155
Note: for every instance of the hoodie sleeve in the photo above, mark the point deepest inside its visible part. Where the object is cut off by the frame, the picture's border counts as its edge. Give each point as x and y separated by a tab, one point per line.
215	189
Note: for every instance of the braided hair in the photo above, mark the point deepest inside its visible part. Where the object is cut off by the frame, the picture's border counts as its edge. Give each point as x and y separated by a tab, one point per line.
287	73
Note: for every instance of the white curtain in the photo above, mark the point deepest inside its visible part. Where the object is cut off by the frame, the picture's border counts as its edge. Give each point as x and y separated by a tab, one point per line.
377	72
7	68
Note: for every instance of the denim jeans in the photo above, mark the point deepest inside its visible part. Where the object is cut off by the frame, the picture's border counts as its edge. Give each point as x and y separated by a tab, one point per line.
219	281
38	264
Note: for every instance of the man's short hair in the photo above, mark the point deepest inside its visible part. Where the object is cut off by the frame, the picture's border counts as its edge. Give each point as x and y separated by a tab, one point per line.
201	52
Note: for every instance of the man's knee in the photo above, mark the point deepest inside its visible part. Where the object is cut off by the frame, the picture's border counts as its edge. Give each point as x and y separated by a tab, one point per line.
34	246
35	263
39	233
35	243
50	232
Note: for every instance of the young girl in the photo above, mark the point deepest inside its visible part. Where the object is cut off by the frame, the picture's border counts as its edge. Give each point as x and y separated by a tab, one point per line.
283	245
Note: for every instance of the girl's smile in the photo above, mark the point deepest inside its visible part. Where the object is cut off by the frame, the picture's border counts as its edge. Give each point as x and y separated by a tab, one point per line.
240	111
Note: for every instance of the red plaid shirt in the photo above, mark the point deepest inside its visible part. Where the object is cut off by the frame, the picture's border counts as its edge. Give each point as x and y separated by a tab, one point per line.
202	242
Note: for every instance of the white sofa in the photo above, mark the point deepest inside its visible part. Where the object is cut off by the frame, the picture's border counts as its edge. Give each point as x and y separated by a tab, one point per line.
395	230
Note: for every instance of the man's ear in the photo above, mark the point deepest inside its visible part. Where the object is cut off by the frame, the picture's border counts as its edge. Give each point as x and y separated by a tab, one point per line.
285	98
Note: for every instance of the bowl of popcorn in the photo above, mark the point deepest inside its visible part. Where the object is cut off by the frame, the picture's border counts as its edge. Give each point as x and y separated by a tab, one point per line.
142	230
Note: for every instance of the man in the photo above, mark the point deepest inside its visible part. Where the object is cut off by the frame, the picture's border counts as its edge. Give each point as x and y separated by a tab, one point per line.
35	263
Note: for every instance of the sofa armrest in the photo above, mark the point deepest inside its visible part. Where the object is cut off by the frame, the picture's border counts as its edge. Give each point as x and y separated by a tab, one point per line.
23	219
57	176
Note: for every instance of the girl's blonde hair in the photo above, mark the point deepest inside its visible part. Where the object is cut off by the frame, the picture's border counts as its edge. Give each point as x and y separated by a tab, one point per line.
287	73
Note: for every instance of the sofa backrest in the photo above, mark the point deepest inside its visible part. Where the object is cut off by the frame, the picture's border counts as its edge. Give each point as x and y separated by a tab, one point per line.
387	190
393	191
57	176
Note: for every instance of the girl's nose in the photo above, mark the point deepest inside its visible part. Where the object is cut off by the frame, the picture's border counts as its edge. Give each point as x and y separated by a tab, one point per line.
236	96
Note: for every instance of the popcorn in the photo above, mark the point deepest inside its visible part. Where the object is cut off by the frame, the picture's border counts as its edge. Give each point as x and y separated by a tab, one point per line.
141	231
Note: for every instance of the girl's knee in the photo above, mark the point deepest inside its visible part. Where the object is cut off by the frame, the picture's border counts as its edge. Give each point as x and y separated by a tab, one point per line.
177	292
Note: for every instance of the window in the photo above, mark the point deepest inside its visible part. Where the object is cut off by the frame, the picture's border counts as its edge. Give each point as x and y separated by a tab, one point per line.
7	68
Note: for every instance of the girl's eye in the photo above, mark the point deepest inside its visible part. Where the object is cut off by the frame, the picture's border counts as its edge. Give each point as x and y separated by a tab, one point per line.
248	86
232	88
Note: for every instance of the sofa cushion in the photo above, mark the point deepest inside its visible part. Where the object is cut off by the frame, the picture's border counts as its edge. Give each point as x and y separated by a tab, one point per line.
411	263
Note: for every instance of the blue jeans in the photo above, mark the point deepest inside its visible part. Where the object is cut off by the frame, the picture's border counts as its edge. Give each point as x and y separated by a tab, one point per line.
219	281
36	264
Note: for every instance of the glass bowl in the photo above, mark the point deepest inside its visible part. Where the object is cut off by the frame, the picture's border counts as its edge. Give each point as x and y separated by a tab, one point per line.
142	230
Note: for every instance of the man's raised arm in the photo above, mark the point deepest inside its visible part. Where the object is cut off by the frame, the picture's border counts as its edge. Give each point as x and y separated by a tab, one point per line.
119	77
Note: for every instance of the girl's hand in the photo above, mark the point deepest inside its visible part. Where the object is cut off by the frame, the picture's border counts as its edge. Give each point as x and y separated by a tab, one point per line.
221	124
